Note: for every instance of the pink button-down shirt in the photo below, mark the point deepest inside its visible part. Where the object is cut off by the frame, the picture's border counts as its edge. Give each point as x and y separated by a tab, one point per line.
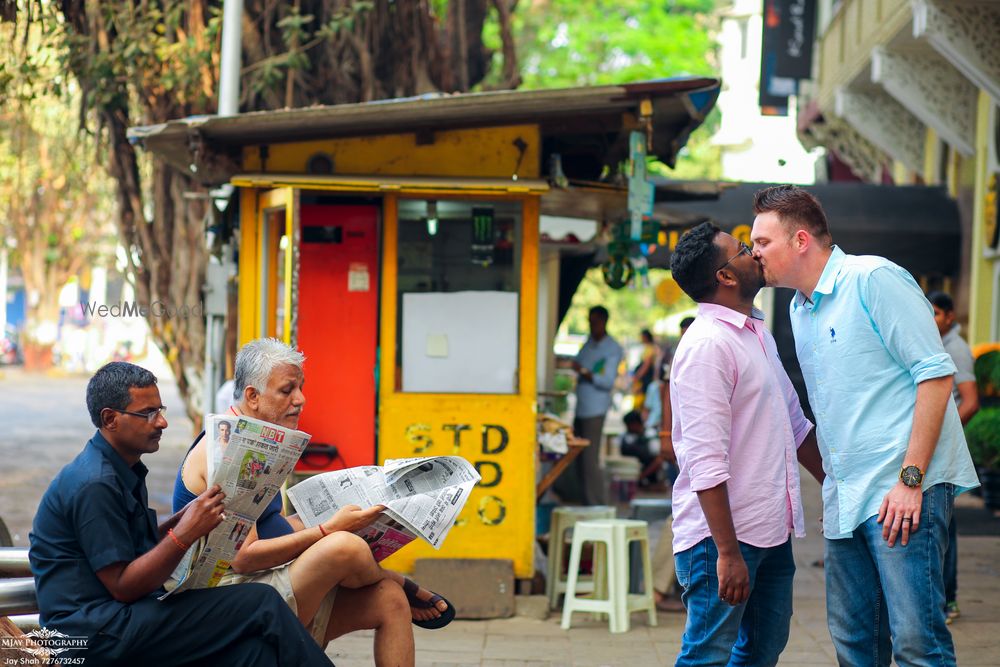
736	419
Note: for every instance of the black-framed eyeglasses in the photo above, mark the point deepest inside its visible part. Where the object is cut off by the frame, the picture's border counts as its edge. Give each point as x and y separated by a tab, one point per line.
150	416
744	250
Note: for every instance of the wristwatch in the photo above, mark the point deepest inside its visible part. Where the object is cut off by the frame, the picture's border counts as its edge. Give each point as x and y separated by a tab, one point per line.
912	476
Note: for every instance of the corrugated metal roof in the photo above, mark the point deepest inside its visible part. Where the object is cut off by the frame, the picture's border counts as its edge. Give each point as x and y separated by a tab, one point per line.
211	143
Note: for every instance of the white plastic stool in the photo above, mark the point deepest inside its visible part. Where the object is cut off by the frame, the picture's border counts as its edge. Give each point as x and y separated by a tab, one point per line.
613	535
563	520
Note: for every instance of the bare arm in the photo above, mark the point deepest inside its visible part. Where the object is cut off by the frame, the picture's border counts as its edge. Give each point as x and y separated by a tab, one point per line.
902	501
734	578
128	582
257	554
810	457
969	394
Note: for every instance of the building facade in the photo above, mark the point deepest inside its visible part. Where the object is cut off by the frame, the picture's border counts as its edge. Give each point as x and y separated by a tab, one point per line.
907	92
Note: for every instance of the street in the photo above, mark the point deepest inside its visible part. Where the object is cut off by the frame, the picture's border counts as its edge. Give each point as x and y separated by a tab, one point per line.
46	424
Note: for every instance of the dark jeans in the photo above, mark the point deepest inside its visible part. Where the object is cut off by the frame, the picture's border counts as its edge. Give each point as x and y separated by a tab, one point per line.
248	624
583	482
951	564
752	634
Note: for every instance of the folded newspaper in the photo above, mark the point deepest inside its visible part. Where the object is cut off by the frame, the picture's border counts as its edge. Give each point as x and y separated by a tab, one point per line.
422	498
250	459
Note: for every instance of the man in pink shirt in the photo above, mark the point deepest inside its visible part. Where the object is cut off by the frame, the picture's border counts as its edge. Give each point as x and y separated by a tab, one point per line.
739	435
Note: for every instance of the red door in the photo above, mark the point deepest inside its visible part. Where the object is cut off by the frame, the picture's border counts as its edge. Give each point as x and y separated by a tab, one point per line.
338	330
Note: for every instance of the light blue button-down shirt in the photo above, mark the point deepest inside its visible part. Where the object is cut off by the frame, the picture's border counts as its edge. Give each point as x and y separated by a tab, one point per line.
593	397
865	339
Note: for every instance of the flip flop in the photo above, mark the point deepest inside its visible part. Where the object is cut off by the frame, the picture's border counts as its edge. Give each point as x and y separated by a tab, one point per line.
411	589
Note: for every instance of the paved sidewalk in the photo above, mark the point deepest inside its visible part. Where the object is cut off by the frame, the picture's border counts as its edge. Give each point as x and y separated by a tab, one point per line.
534	643
46	424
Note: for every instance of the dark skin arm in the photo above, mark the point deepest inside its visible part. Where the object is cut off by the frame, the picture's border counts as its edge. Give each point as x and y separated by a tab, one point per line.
810	457
734	578
969	394
172	521
131	581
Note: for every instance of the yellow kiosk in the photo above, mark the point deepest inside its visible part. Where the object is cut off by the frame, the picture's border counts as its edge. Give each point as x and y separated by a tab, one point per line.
397	244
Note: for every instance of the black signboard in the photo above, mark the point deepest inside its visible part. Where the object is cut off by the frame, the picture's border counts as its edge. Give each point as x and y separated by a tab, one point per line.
786	53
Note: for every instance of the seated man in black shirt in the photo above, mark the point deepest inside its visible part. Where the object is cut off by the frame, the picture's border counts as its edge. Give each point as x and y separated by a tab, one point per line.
635	443
100	560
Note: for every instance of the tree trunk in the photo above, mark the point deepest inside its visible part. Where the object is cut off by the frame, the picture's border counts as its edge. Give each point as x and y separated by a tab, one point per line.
343	52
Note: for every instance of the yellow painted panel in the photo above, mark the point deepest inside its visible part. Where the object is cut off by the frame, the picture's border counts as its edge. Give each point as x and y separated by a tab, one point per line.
853	32
415	185
932	157
248	269
900	174
480	152
494	432
981	281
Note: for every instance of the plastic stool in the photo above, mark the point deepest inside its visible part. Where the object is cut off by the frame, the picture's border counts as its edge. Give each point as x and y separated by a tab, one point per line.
613	536
650	510
563	520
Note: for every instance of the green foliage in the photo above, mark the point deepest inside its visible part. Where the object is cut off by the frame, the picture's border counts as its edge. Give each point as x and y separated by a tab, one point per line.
983	435
987	370
587	42
630	310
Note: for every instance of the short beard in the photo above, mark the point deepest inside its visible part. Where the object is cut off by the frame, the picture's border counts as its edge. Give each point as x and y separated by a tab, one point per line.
750	284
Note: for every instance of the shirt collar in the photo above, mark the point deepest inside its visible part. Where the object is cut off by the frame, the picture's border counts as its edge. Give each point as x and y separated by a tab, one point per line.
728	315
827	279
132	477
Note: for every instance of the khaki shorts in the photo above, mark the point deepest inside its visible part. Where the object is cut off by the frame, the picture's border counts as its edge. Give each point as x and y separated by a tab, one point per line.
280	579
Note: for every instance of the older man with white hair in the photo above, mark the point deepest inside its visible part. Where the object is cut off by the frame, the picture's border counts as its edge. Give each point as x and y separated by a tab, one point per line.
326	574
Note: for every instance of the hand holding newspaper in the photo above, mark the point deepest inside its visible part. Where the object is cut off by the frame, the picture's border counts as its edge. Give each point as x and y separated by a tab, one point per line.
422	498
250	459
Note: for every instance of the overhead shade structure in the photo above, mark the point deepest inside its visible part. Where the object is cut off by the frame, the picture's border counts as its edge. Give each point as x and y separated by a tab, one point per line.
916	227
586	127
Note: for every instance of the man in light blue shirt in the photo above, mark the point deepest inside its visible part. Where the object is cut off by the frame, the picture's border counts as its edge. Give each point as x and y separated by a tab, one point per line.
879	383
597	367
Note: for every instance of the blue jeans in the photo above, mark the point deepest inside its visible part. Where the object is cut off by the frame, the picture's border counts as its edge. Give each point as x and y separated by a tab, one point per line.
884	603
951	564
753	633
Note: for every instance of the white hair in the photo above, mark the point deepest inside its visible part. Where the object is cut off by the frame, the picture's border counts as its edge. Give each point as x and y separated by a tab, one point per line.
257	360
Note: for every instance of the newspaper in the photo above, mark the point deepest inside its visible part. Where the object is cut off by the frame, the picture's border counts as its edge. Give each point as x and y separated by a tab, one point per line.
422	498
250	460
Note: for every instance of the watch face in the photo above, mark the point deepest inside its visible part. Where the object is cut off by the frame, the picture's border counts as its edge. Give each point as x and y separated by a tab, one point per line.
911	476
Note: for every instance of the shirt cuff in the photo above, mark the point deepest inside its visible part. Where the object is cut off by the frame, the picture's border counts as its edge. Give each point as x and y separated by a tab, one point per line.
708	474
936	366
110	556
801	431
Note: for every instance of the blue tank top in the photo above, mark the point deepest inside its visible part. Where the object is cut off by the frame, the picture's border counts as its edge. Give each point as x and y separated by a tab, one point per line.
270	524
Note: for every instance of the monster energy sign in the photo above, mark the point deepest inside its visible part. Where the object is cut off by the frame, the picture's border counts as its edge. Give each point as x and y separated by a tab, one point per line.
482	235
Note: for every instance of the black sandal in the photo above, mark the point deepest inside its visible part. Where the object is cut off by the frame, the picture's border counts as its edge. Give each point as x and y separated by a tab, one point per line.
411	589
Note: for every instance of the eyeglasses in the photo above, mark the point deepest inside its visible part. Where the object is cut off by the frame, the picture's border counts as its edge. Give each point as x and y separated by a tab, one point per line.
150	416
744	250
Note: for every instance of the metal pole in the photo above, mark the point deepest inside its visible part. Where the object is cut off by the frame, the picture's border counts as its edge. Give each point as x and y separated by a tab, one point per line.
229	69
17	596
14	562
